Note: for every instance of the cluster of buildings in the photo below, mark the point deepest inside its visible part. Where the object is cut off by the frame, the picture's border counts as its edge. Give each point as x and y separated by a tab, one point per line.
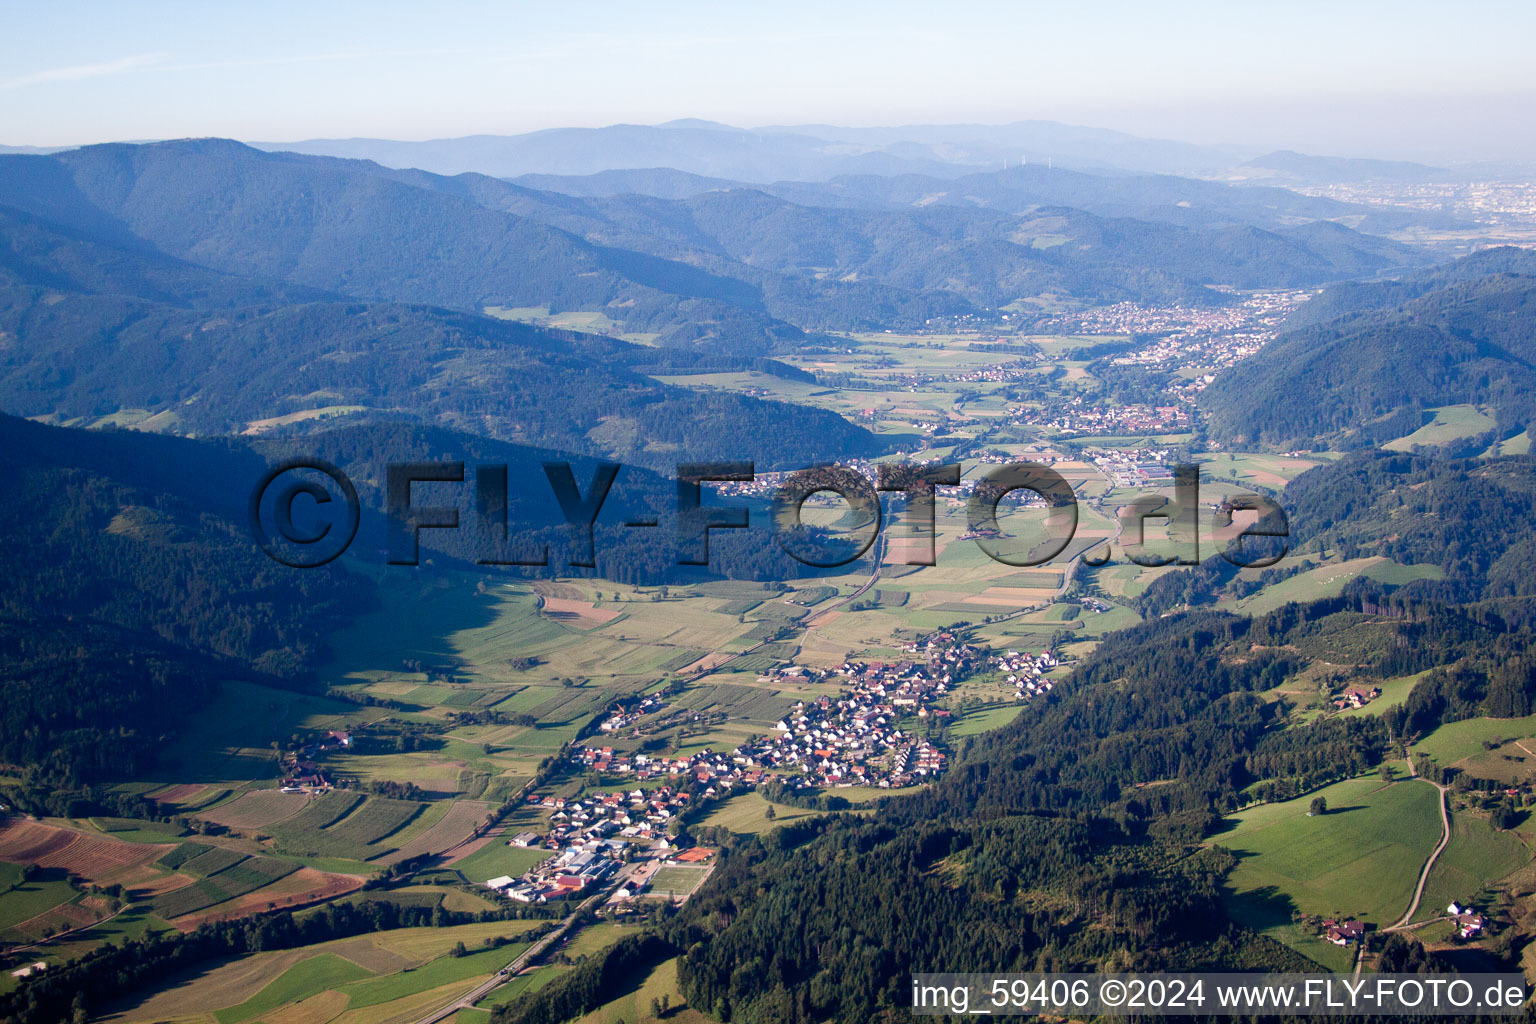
568	873
595	837
1078	417
993	373
622	717
1499	203
1469	924
1027	673
302	772
1189	337
1356	698
854	738
764	484
1136	468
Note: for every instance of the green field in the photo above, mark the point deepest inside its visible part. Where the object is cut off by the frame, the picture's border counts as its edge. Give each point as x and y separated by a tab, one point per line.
985	719
21	900
1330	581
443	971
496	858
306	978
747	814
1362	859
234	878
1450	423
635	1005
230	739
1455	741
1393	693
676	880
1477	856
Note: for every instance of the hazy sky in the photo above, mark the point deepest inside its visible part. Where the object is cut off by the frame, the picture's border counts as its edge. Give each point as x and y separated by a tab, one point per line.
1393	79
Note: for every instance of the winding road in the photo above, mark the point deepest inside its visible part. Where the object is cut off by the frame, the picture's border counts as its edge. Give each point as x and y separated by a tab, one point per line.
1445	838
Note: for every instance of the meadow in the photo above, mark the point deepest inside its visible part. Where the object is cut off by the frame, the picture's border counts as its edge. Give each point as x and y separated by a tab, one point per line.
1329	580
1477	857
1450	423
1361	859
747	814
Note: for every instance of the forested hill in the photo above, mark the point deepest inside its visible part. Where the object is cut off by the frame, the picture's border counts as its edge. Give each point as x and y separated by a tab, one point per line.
92	326
737	271
133	587
336	228
1471	518
1187	202
1463	334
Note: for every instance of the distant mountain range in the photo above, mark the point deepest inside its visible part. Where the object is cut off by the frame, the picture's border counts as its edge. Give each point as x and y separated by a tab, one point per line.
700	149
1286	167
739	271
1188	202
806	152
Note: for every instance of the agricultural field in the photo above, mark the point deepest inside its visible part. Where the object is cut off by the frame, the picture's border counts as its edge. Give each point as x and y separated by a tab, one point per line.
496	858
427	895
341	824
1361	859
227	880
385	974
1393	693
43	906
229	741
95	859
636	1005
985	718
165	885
1455	742
1271	472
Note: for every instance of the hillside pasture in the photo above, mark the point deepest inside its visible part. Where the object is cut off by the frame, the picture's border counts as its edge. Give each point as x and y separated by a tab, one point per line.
1361	859
1478	856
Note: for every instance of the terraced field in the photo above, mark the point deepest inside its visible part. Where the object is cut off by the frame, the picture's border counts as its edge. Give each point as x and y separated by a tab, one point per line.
98	860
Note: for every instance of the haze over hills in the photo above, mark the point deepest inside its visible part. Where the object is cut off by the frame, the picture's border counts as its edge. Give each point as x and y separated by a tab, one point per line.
1188	202
810	152
1286	167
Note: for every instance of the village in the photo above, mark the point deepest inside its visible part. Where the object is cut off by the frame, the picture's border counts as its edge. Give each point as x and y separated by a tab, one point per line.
1077	417
853	739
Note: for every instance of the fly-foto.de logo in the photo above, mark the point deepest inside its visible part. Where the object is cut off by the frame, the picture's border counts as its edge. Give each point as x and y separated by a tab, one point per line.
305	513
